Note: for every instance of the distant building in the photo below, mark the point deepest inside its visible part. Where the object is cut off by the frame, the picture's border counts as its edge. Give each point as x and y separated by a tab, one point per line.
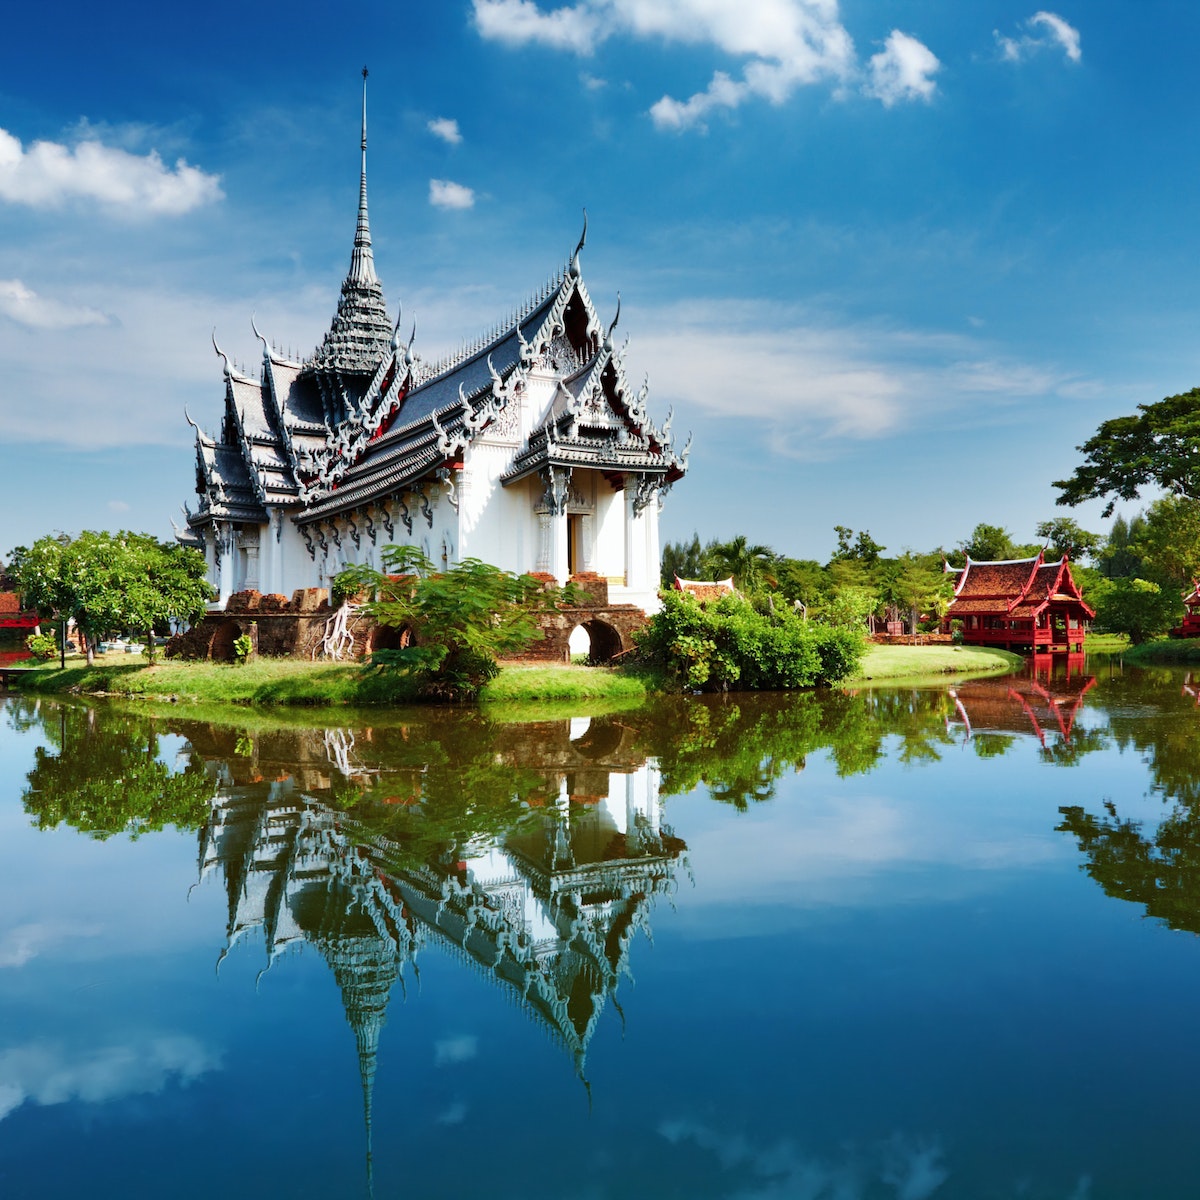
1020	604
527	449
1190	627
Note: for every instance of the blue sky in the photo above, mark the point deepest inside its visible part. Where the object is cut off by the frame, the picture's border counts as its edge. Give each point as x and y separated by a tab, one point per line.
890	260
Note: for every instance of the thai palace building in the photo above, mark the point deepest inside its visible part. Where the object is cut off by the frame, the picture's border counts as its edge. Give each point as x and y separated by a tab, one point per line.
527	448
1020	604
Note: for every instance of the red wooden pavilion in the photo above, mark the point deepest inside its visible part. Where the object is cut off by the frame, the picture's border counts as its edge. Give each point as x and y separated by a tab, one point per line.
1020	604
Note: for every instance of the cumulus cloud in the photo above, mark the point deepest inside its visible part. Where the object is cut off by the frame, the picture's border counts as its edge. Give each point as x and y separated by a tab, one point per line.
445	128
48	1073
444	193
787	44
23	305
1043	31
520	22
49	174
902	70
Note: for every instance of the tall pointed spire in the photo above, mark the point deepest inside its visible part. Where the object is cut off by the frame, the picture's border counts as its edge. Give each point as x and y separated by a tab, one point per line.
361	333
362	261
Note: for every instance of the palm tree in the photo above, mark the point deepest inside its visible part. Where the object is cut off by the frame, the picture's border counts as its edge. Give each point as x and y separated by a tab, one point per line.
749	565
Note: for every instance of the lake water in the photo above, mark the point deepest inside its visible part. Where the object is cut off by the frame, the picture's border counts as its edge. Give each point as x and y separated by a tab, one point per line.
899	944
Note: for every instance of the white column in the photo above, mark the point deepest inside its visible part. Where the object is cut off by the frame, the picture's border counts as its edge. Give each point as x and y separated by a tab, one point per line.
545	542
558	547
630	523
587	539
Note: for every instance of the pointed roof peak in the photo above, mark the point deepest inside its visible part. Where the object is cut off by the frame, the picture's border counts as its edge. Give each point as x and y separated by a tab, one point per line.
361	333
362	261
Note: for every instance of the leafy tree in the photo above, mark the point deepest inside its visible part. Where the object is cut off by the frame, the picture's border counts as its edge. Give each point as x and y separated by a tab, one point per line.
1065	536
1159	447
861	548
463	619
688	560
1118	558
804	580
1168	542
918	586
1136	607
107	581
989	543
164	580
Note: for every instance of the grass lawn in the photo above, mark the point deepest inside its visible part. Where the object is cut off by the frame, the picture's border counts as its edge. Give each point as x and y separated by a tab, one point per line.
294	681
931	664
1106	643
1185	651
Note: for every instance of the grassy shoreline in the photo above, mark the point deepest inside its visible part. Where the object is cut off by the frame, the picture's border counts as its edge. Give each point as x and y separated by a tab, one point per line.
290	682
907	665
1167	652
296	682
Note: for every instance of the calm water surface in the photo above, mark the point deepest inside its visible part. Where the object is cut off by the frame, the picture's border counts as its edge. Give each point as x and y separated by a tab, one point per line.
899	944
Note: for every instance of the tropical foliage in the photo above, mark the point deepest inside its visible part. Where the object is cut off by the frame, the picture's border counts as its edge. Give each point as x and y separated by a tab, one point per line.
728	644
460	620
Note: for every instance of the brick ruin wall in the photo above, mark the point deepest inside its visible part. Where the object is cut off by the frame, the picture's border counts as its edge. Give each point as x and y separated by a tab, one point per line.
283	628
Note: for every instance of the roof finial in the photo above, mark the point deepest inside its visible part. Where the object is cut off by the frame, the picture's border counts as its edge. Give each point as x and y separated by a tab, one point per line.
574	265
362	262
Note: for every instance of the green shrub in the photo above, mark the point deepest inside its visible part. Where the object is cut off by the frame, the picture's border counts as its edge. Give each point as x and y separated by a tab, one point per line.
42	646
728	645
243	647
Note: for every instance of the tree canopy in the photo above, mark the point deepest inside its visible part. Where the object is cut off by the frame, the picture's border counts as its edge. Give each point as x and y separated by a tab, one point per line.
104	581
1158	447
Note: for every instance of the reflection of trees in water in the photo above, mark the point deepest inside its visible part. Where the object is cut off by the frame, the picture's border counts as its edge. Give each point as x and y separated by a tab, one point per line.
102	774
1156	865
1160	871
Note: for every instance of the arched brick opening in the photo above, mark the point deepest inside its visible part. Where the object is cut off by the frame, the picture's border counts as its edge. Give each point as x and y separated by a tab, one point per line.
220	649
606	642
388	637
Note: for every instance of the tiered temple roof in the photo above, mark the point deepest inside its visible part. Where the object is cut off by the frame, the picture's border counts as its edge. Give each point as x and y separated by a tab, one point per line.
364	417
1018	588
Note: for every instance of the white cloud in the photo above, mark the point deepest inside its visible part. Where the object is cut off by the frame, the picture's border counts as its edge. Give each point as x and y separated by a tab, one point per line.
455	1050
444	193
445	128
808	382
25	942
118	506
908	1168
48	174
23	305
48	1073
902	70
1045	30
520	22
787	44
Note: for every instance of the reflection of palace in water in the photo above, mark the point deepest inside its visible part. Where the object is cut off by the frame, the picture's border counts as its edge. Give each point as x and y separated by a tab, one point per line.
1043	703
547	909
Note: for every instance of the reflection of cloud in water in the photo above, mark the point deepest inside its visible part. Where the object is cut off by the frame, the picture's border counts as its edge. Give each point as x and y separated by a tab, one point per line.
912	1169
841	848
49	1073
454	1115
455	1050
23	942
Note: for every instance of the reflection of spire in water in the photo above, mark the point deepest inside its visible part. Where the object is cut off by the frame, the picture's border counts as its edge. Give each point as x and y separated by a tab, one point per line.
548	911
